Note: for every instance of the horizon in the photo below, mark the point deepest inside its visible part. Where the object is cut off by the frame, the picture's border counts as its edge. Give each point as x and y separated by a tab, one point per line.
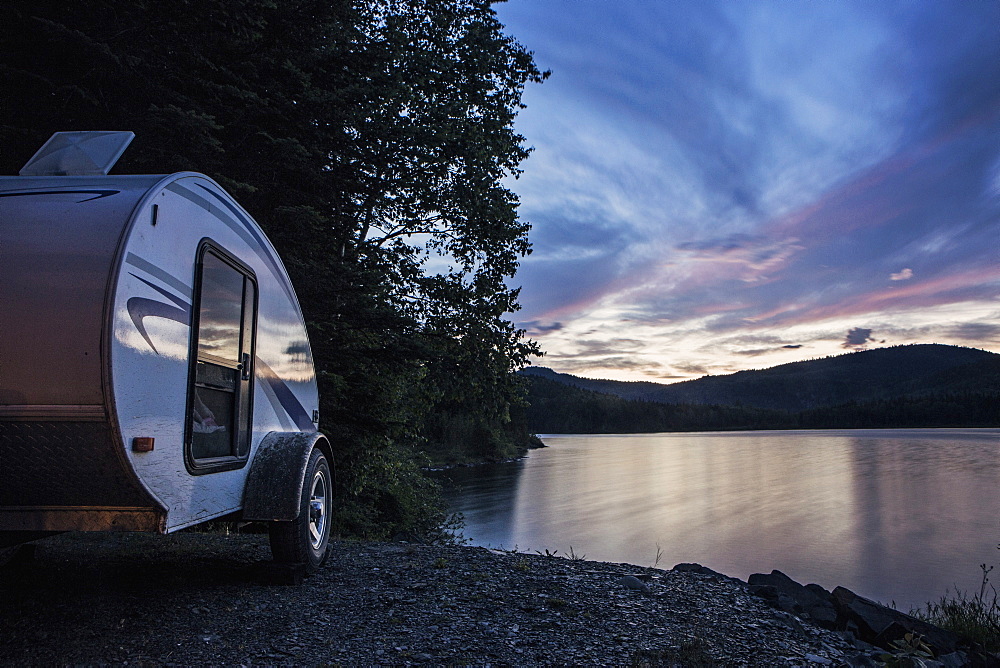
799	361
717	187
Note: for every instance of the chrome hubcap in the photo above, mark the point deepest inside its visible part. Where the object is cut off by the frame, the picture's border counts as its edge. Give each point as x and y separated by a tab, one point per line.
317	510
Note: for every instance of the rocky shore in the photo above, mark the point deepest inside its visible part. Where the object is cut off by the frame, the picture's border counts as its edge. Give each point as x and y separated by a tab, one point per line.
197	599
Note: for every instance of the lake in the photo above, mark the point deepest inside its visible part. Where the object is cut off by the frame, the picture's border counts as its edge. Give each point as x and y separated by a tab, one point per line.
894	515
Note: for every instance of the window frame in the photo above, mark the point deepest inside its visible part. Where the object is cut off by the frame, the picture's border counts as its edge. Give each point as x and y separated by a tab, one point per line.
242	421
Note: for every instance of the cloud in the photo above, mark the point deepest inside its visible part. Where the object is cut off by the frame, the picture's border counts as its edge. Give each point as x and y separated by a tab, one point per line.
981	332
610	347
536	327
757	254
978	284
856	337
566	364
602	348
690	368
757	352
958	61
704	171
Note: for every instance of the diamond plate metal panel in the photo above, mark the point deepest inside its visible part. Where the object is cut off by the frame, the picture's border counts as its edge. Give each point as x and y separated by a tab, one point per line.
63	464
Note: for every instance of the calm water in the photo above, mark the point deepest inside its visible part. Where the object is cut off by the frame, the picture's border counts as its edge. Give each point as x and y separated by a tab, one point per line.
895	515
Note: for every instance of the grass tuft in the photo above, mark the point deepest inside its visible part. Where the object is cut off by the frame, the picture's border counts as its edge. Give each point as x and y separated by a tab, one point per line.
974	617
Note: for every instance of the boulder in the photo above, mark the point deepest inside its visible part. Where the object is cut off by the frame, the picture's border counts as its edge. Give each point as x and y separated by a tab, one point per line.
698	568
788	595
635	583
881	625
954	660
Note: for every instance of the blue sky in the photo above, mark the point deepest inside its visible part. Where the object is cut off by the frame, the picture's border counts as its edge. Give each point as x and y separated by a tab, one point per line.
719	186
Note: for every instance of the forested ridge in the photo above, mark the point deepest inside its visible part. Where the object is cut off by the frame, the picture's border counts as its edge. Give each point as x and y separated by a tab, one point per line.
904	386
370	140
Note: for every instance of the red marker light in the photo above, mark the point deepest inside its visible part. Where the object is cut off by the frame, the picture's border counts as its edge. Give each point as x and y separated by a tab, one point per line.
142	444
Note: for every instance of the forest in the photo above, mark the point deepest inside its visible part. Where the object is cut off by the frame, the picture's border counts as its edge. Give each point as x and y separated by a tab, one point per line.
560	409
371	140
925	385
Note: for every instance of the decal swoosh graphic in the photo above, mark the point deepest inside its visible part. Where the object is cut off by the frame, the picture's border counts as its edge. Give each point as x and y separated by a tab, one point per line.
165	277
140	307
97	194
174	298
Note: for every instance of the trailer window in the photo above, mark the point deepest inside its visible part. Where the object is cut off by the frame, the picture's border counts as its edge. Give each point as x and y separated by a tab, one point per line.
219	423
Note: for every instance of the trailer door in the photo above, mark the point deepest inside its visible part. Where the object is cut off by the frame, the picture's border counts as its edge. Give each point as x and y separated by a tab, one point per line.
222	353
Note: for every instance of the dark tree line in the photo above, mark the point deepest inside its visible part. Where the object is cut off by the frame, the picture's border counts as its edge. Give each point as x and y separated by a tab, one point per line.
367	137
938	409
559	408
555	408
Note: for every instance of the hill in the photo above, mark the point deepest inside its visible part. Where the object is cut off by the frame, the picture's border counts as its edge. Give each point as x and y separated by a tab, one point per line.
907	386
860	376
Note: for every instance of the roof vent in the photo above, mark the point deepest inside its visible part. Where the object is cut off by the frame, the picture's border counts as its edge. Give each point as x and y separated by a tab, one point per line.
78	154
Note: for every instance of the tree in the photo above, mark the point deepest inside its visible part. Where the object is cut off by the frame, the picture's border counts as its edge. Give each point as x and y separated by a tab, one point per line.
368	137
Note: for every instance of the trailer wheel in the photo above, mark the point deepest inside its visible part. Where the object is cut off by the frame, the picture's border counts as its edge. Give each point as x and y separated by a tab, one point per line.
305	539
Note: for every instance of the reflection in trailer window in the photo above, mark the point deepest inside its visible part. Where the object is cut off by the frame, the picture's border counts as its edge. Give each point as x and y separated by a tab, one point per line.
219	401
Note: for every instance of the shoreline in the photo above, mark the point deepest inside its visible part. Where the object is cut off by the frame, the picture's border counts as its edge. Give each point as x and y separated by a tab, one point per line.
197	598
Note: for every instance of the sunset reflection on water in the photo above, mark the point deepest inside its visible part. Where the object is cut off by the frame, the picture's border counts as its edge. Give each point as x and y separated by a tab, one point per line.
896	515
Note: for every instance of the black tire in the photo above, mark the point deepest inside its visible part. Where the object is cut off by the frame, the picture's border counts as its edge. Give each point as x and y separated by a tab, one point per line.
306	539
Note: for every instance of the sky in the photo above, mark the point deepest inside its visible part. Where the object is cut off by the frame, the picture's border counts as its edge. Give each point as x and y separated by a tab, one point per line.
729	185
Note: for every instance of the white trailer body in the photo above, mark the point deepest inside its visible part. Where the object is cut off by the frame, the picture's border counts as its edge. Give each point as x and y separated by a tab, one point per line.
152	349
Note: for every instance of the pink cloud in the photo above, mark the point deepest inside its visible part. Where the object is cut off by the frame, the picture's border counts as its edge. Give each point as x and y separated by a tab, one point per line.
942	290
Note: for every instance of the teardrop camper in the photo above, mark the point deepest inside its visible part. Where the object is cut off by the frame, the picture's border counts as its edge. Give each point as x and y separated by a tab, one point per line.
155	370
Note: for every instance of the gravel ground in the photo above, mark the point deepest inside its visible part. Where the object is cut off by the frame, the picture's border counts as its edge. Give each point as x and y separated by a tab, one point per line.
197	598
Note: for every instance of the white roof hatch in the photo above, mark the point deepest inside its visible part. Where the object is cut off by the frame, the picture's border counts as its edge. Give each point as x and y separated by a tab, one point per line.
78	154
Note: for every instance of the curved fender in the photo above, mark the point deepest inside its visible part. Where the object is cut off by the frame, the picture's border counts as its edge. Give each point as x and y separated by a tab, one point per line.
274	483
